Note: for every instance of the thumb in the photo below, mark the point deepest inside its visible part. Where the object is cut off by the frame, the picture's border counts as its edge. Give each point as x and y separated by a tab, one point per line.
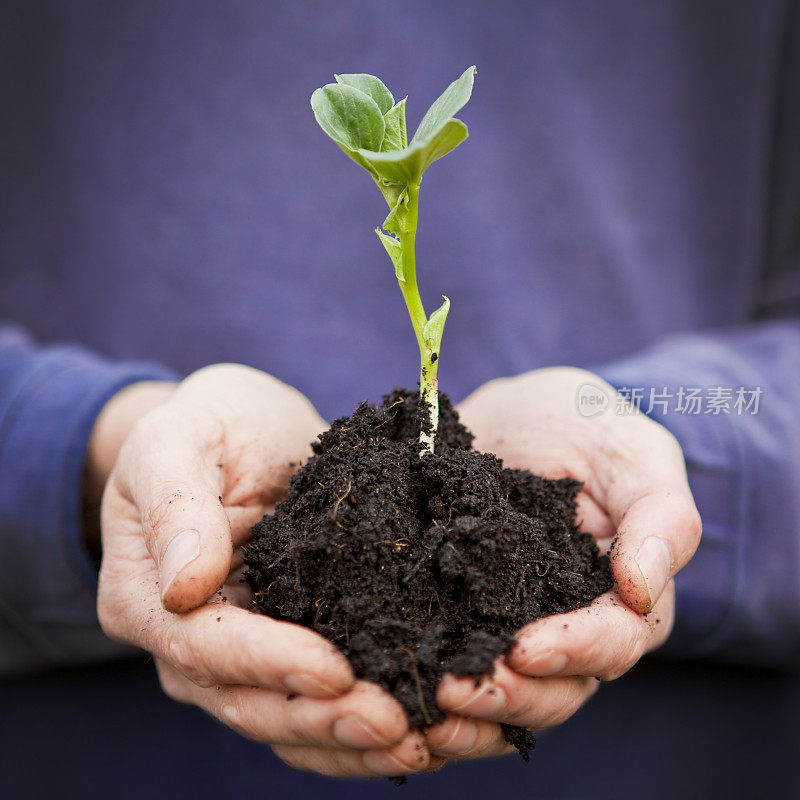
641	482
178	494
657	536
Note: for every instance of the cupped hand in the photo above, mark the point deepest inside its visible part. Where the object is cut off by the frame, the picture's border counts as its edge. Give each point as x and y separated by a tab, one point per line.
635	495
191	478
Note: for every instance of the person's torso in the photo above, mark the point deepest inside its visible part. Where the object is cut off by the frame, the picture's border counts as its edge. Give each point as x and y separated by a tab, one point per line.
168	194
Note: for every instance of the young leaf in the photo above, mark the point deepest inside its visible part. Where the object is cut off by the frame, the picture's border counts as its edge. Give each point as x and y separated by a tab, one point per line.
434	327
405	167
395	137
446	138
391	223
395	252
447	105
371	86
350	117
401	167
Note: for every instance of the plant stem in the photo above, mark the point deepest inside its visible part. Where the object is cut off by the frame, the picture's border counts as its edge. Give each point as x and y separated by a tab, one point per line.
429	361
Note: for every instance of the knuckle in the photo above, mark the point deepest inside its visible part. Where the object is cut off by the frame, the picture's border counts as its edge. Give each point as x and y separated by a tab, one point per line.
668	437
626	657
111	616
288	755
564	706
303	732
171	684
612	673
146	428
688	527
617	671
693	524
165	494
489	740
234	714
443	733
524	703
107	616
184	658
310	760
632	650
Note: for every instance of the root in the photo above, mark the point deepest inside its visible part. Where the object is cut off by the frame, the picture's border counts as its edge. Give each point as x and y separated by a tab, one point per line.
415	672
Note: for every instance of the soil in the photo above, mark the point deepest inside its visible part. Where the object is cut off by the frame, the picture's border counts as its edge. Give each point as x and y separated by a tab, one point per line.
414	566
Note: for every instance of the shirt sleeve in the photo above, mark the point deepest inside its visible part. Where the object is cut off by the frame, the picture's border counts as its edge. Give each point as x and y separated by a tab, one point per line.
49	399
732	399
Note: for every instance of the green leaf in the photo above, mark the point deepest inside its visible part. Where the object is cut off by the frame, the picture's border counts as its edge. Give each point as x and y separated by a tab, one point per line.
436	136
402	167
392	223
371	86
447	138
395	121
395	252
359	114
350	117
446	106
434	327
405	167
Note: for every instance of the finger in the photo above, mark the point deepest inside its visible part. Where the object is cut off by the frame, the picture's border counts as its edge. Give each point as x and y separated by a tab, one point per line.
242	518
411	755
590	517
644	488
364	718
605	639
222	644
464	737
657	536
178	496
516	699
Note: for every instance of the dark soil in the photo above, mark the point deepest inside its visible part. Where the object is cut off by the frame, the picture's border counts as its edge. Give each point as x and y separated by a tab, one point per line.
416	566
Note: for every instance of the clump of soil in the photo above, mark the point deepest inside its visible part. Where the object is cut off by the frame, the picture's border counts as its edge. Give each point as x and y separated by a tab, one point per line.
416	566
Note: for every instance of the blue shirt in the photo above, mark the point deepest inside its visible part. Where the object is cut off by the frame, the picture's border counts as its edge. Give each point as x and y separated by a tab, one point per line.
627	201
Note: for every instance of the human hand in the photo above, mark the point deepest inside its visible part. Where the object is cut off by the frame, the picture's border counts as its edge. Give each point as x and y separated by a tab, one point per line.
635	488
196	471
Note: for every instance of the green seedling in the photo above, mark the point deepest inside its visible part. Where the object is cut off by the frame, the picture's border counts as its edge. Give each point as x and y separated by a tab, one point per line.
359	113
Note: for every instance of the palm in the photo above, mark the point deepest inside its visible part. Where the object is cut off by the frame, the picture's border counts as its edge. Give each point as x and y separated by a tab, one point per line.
540	429
247	433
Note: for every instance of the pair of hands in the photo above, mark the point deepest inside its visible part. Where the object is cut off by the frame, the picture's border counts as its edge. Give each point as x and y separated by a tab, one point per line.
195	466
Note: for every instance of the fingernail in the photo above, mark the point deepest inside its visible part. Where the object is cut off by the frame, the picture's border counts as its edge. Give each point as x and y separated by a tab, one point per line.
308	687
547	663
382	762
655	564
352	732
488	700
181	551
461	740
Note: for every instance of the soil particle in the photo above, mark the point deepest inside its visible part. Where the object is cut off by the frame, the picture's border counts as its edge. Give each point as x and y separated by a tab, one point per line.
413	566
521	738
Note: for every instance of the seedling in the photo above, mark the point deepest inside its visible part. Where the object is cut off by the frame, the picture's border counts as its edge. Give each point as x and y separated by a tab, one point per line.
359	113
